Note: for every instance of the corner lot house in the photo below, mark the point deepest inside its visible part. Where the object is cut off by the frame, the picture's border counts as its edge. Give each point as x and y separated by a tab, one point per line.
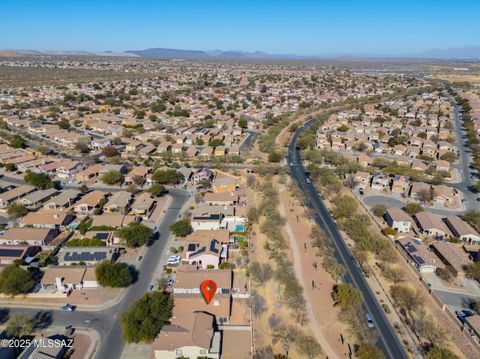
66	279
398	220
191	336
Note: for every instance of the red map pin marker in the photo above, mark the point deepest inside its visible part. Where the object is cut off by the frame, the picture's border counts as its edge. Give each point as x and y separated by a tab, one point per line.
208	289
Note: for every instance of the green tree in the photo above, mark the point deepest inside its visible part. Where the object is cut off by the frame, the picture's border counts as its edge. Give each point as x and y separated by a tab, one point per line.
112	177
63	124
253	214
346	296
473	218
181	228
134	235
405	297
157	190
367	351
15	280
110	152
345	207
113	274
17	141
85	242
308	347
440	353
473	270
39	180
19	325
379	209
10	167
242	122
82	147
83	188
261	273
477	186
168	177
215	142
146	317
275	157
412	208
17	210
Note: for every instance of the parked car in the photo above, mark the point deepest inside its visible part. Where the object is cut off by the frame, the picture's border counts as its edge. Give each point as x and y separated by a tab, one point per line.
170	281
139	258
173	260
308	180
151	287
462	314
67	308
370	322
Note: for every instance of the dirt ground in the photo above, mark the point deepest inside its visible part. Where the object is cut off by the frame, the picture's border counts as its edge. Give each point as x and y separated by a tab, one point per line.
323	318
322	323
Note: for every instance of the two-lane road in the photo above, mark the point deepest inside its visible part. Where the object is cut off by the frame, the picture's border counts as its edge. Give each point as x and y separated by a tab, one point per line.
388	340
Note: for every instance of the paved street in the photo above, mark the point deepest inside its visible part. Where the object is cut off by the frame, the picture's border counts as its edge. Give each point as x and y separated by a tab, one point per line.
465	160
248	142
105	322
388	340
456	300
391	202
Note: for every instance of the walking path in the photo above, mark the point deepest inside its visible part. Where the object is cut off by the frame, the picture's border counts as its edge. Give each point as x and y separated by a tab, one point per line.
319	305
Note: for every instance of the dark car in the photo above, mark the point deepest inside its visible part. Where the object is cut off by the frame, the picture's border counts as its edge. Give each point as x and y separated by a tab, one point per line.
462	314
67	308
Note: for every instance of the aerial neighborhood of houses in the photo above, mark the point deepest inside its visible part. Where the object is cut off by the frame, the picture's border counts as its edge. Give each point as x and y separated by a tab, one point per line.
140	188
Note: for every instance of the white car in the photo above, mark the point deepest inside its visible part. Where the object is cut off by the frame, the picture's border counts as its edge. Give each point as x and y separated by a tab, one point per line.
370	322
173	260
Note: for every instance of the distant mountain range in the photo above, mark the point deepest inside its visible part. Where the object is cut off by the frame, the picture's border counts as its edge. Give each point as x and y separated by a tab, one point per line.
198	54
466	52
453	52
15	53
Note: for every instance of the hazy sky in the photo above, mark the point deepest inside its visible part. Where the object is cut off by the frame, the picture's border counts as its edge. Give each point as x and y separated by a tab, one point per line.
301	27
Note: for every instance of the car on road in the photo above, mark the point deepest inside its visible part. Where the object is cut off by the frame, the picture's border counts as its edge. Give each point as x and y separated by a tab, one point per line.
308	180
67	308
173	260
462	314
370	322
